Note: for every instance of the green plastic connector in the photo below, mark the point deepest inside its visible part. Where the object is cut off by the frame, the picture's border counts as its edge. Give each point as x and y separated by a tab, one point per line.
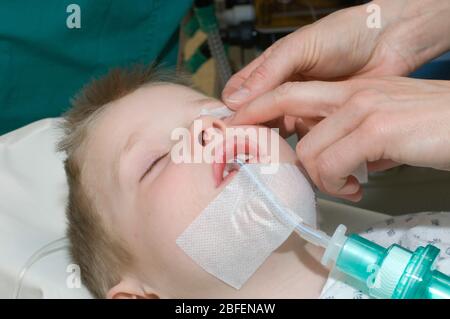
393	272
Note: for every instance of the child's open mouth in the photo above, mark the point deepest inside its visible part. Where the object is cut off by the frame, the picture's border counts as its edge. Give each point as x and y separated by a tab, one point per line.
224	170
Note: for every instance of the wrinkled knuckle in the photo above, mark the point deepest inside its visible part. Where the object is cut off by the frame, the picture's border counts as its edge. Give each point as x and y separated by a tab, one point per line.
236	78
284	89
290	44
370	94
303	153
373	126
281	94
325	166
363	100
360	98
261	73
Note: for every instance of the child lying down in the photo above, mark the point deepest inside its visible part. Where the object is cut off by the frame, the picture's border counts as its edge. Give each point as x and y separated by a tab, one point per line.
129	202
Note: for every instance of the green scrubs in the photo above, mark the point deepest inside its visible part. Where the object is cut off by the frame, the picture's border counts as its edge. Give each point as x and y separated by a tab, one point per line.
45	58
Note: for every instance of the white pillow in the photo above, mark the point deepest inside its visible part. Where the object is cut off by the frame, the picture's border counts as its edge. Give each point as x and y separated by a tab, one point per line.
33	192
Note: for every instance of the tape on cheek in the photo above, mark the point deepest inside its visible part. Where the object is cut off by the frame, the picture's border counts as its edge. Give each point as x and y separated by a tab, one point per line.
237	231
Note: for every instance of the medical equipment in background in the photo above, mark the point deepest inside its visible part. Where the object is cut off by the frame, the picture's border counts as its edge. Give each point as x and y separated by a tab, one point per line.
259	23
247	24
196	60
205	14
392	272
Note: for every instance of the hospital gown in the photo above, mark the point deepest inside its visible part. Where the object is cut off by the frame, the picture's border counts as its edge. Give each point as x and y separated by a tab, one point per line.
409	231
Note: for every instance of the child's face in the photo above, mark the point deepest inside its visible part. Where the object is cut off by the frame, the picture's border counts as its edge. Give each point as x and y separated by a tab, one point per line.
149	212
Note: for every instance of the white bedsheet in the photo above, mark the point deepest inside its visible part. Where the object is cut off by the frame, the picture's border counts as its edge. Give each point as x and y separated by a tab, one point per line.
32	201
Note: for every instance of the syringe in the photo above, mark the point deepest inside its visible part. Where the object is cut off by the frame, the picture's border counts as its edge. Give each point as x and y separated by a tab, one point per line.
393	272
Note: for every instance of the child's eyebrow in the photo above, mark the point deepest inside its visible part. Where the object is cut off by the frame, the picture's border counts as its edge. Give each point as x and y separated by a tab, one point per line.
128	146
131	142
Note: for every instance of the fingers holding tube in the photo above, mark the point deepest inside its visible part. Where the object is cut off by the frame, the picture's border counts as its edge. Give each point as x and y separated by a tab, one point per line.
339	144
298	99
331	168
345	120
336	146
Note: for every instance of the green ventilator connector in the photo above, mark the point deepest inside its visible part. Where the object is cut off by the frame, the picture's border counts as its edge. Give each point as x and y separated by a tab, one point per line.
388	273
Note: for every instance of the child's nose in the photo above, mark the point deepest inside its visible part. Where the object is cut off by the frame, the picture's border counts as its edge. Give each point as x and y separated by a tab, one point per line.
204	128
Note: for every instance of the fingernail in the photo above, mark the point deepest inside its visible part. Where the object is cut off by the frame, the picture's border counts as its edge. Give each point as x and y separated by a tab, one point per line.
239	95
349	188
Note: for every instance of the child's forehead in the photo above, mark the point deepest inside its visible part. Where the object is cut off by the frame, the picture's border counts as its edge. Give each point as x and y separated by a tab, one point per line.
162	98
158	107
168	91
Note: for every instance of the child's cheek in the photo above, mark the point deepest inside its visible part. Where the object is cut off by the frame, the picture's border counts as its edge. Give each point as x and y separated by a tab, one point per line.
178	196
170	205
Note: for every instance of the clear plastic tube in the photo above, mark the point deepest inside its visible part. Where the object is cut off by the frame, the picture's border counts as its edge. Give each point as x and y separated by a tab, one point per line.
312	235
401	273
237	231
54	246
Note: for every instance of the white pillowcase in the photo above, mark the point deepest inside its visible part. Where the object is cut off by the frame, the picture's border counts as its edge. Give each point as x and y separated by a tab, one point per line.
33	192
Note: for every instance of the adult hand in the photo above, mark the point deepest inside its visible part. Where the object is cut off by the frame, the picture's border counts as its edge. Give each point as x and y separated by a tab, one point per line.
381	121
342	46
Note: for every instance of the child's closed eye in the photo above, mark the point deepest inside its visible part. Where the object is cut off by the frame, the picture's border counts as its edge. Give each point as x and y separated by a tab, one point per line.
152	165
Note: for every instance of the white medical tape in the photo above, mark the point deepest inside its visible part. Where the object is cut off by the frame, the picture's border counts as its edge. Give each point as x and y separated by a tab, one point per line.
237	231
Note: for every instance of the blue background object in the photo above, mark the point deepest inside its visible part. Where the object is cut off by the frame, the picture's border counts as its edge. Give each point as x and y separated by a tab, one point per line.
438	69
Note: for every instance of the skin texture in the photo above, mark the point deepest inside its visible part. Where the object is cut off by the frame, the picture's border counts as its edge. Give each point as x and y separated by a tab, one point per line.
359	114
150	213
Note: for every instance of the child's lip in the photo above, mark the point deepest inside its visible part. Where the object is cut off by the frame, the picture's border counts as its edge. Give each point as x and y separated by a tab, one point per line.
229	155
218	169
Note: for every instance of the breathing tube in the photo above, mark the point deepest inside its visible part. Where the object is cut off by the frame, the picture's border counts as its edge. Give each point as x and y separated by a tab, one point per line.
387	273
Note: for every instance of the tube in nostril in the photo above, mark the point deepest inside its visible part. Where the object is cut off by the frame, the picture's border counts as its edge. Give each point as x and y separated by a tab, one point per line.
219	112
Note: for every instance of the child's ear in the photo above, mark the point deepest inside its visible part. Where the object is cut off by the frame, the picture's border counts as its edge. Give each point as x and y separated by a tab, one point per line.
130	288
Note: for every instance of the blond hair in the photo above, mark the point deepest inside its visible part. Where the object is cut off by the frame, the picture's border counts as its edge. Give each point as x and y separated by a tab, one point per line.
101	255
